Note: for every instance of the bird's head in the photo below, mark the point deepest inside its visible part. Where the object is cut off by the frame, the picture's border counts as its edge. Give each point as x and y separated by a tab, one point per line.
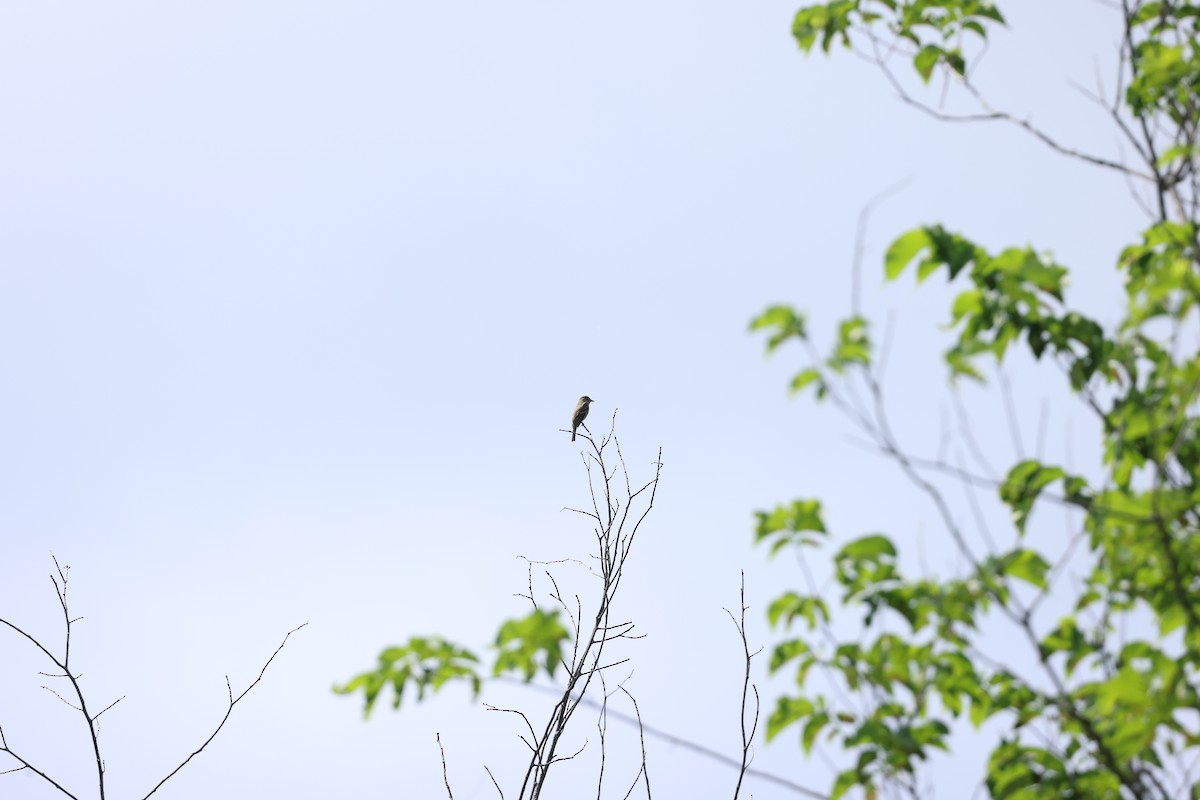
585	400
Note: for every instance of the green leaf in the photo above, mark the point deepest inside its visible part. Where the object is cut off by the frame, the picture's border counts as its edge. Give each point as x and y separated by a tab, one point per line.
1067	638
812	729
790	525
786	652
788	711
955	59
1021	488
824	21
1171	619
925	60
962	365
903	250
853	346
1028	566
967	304
784	322
803	379
869	547
791	605
846	780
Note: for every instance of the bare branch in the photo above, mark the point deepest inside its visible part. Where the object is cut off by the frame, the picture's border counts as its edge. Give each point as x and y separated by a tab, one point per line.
232	702
864	216
60	591
1010	413
107	707
644	771
25	765
681	742
739	623
991	115
495	783
445	777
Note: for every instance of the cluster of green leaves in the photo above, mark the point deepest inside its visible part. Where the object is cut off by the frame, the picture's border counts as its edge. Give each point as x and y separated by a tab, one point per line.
1167	63
934	28
853	346
427	663
927	676
531	644
1016	293
524	646
1116	711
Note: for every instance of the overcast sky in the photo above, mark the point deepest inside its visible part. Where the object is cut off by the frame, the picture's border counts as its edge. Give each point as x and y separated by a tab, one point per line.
296	296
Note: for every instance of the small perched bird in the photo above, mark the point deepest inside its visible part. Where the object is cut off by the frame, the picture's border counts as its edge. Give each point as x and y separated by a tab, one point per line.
581	409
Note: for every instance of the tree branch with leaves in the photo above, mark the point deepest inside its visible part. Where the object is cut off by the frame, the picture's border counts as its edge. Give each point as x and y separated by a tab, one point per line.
1102	713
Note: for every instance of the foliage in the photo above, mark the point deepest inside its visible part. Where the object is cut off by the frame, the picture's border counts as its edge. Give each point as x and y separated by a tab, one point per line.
426	663
524	645
1111	710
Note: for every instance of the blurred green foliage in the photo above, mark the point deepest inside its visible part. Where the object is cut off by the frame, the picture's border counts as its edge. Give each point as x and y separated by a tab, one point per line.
1107	715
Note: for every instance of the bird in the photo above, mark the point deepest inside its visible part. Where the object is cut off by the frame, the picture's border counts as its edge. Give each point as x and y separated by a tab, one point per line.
581	411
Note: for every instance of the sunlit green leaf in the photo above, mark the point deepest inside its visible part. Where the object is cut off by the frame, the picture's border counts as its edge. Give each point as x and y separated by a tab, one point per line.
903	250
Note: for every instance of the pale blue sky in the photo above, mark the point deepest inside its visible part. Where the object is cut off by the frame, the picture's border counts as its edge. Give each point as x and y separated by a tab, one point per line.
294	298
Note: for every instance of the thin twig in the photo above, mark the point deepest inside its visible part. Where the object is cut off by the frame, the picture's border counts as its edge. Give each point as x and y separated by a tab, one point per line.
445	775
860	235
233	701
644	770
991	115
681	742
739	623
